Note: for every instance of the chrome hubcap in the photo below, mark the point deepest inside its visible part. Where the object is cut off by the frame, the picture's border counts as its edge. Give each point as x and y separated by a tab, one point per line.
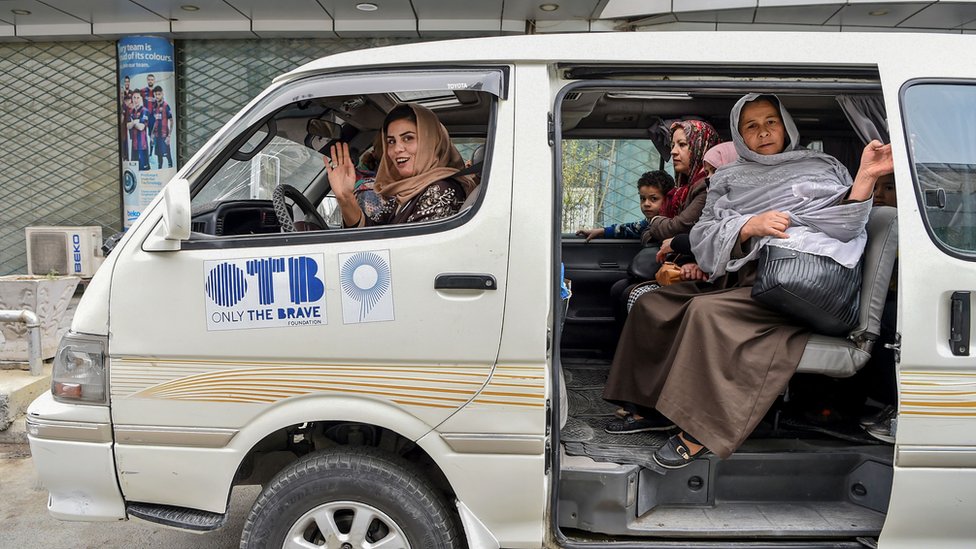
345	525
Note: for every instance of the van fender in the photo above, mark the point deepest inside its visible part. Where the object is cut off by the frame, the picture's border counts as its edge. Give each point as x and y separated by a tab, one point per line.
309	408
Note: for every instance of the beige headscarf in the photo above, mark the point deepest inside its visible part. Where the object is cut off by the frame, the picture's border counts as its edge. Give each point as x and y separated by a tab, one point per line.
436	159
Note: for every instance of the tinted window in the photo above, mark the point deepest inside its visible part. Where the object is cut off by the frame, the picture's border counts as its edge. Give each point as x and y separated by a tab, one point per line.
939	122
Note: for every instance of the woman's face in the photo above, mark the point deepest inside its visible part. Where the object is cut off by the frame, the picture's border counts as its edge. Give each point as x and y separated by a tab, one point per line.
884	191
680	152
401	146
762	128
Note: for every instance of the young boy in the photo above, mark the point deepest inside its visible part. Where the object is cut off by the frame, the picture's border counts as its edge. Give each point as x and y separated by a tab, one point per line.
653	188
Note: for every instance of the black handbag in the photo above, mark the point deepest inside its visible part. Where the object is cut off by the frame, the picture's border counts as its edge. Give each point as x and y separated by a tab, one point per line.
815	290
645	264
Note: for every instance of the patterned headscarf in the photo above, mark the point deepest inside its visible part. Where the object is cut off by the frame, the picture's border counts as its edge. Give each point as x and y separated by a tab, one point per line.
701	136
436	159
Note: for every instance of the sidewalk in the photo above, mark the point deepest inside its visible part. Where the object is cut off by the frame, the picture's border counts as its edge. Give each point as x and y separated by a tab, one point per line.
18	388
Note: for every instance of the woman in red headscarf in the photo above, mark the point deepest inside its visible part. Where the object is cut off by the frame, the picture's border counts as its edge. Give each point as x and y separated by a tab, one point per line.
690	139
418	167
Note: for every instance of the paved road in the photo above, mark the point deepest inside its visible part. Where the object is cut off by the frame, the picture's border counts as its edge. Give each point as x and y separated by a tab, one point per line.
26	524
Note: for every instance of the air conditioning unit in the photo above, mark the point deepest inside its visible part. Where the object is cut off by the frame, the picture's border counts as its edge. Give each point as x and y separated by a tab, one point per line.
64	250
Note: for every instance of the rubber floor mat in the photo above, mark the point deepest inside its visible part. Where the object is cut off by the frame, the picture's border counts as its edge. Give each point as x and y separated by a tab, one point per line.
588	403
615	454
584	432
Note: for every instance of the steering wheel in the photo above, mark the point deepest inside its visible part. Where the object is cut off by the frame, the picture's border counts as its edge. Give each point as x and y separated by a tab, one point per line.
313	221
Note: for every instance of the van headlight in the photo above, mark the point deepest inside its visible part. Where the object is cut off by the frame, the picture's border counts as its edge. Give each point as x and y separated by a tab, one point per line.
79	373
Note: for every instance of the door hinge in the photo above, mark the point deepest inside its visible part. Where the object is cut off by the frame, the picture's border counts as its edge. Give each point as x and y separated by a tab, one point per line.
551	129
896	347
548	431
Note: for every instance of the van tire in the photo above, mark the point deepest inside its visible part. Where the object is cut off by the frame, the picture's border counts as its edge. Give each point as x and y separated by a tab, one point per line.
373	482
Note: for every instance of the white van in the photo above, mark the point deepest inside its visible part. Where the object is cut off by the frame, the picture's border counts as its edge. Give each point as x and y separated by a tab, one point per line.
415	385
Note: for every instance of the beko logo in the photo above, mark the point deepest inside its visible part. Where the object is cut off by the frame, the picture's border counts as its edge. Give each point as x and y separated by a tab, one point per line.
76	251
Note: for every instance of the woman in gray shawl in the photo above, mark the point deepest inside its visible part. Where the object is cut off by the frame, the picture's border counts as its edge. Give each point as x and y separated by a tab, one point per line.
704	355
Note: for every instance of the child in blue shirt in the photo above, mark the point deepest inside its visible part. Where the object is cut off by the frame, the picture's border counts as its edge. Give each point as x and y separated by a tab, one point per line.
653	188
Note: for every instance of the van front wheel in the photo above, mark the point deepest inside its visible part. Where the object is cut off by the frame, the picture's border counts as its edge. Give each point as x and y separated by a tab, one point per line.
350	497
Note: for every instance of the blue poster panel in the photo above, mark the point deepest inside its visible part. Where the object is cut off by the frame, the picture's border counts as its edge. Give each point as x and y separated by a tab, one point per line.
147	120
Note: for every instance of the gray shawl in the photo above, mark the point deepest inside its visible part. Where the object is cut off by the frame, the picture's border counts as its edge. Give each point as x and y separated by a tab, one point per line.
808	185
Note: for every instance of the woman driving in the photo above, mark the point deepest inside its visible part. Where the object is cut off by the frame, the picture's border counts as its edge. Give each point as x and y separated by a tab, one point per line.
417	167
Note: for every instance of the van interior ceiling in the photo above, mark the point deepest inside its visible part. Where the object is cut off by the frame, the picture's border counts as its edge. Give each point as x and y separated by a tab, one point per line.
808	471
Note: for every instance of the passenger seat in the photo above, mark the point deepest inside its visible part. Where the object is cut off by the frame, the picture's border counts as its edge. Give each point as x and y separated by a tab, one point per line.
843	357
477	162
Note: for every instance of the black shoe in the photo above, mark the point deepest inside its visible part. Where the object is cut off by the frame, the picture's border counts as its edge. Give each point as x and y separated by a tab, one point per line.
884	428
675	455
879	416
628	425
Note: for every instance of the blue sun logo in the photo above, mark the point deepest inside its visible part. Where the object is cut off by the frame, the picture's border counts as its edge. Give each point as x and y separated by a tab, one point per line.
365	278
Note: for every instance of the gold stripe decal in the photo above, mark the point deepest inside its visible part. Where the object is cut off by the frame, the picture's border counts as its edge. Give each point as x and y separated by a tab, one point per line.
938	394
263	383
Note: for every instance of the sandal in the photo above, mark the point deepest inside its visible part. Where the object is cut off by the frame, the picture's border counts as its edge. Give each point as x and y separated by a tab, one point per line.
629	424
675	455
621	412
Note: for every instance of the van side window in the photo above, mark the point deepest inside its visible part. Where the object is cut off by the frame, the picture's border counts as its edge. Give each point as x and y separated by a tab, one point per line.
600	180
273	176
939	122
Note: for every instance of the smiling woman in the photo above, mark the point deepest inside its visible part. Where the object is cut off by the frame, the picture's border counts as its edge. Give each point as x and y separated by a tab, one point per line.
418	167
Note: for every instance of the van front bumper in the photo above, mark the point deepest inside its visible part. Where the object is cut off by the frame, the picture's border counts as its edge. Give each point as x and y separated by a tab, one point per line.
71	446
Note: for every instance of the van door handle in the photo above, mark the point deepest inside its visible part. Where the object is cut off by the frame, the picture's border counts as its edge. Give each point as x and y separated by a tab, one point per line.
459	281
959	323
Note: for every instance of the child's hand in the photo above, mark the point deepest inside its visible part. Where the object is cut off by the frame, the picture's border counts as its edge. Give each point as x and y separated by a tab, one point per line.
590	234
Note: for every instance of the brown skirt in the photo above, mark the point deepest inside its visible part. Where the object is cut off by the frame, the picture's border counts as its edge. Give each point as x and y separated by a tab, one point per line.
709	358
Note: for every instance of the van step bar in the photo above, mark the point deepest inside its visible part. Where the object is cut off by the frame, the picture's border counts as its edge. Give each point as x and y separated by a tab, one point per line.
798	490
177	517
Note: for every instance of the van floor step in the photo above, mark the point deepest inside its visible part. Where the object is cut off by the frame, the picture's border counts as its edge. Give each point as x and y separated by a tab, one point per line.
772	519
177	517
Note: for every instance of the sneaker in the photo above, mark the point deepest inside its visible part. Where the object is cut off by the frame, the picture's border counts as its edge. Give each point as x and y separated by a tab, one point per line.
884	429
628	425
880	415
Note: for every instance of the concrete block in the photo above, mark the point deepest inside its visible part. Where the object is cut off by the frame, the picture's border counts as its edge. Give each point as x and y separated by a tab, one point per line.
17	390
15	433
47	297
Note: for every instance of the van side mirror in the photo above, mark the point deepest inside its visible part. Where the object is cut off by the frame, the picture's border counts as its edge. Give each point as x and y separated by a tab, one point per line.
175	224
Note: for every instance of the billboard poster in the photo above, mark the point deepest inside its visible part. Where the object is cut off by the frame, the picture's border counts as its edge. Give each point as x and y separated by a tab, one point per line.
147	120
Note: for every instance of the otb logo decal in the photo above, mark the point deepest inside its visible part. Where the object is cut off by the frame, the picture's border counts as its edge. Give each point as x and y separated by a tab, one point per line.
366	281
265	292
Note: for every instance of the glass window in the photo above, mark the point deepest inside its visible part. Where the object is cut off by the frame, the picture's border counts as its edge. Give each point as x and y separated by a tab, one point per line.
287	149
939	121
600	181
281	161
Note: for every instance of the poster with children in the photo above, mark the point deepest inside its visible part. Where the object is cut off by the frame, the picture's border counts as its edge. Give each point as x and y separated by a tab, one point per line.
147	120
